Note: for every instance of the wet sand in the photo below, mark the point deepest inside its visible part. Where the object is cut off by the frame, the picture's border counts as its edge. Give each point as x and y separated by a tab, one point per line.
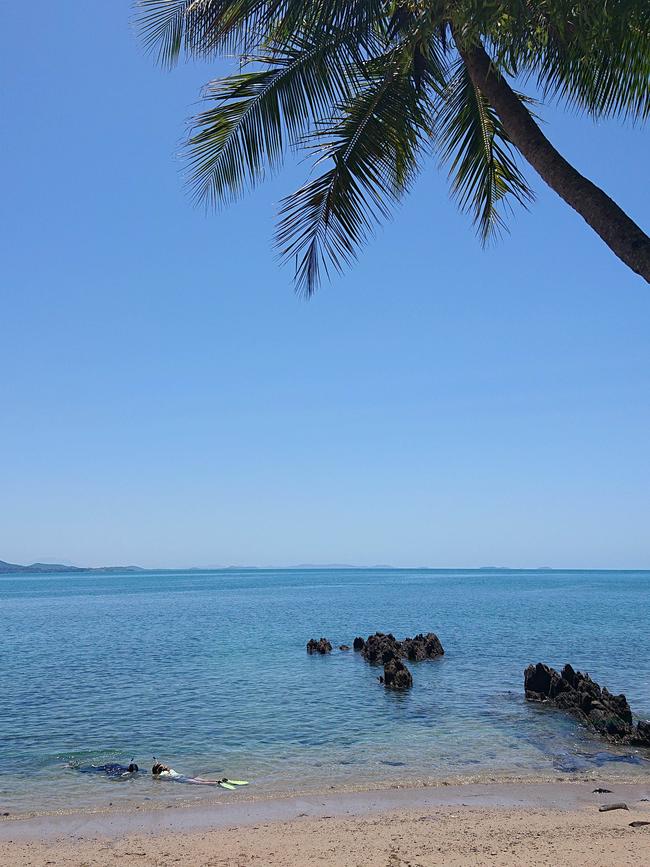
501	824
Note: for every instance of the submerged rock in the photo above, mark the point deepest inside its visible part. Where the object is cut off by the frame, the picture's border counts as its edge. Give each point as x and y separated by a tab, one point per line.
577	694
320	646
571	762
344	646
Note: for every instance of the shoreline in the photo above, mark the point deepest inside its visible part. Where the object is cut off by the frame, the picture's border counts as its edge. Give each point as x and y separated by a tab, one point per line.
254	792
534	792
506	824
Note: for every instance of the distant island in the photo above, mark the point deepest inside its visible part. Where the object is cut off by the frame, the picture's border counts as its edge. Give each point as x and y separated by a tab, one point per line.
36	568
45	568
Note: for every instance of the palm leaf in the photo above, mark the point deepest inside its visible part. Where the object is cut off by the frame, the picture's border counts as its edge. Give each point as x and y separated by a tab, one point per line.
594	56
606	80
162	27
203	28
257	113
372	148
483	171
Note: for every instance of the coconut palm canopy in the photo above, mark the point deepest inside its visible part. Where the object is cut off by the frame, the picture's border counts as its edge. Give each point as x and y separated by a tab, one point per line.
372	90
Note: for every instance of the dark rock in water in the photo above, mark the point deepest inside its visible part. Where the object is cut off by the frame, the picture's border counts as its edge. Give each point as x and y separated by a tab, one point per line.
397	675
422	647
320	646
602	792
643	730
595	707
638	824
344	646
381	647
607	807
384	649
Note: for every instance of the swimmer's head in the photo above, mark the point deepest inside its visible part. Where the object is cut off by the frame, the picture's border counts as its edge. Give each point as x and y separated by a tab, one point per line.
133	768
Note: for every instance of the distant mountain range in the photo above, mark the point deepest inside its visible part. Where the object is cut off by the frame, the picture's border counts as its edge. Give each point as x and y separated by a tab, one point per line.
36	568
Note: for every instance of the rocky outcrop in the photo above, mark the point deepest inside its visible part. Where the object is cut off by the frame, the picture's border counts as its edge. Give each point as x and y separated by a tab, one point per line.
384	649
643	732
320	646
422	647
397	675
381	647
594	706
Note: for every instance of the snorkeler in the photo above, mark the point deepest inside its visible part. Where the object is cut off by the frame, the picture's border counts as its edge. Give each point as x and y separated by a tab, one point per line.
111	769
163	772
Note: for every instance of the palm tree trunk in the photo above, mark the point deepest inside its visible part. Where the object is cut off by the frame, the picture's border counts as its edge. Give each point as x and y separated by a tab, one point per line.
618	231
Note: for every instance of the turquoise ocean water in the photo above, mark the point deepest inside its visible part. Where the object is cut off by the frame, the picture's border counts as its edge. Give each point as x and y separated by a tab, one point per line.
208	671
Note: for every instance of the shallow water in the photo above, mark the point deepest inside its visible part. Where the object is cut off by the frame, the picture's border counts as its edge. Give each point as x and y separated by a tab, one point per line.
208	671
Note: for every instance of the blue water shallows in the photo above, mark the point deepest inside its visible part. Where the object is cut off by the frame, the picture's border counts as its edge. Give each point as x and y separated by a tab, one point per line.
208	671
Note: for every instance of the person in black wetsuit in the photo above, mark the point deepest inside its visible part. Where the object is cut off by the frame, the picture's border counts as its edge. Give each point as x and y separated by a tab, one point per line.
111	769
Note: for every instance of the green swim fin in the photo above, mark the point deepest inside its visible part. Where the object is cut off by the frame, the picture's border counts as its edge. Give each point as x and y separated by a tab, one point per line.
236	782
225	785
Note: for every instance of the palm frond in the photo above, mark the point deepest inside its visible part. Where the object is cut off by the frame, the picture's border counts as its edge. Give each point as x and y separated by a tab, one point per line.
608	76
162	27
258	113
483	171
373	148
203	28
594	56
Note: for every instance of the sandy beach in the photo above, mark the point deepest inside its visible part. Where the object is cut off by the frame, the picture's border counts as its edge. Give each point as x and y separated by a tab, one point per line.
500	824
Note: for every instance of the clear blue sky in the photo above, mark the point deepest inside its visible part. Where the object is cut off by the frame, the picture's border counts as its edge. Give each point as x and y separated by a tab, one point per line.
167	400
